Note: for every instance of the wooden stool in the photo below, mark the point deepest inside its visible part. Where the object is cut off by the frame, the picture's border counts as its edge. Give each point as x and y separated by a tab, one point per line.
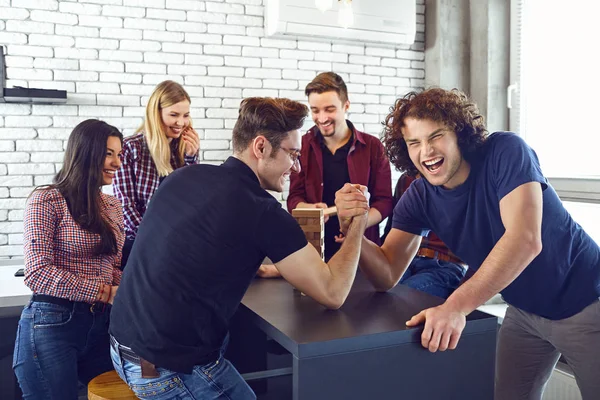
109	386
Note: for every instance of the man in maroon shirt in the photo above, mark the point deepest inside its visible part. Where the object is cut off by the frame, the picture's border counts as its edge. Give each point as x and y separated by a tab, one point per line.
334	152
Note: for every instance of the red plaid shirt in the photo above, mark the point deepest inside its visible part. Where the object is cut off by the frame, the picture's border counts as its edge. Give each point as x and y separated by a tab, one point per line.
58	252
137	179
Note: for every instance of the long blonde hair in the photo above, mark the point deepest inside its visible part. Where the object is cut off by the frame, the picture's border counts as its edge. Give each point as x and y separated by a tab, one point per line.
165	95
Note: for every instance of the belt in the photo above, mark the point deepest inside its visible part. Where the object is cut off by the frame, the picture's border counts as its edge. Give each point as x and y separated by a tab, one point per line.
94	308
148	369
436	255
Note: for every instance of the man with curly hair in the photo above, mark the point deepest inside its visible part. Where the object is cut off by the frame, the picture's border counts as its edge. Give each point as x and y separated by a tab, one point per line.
487	199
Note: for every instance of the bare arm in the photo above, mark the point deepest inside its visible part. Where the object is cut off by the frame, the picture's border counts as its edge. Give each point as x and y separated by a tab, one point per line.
383	266
374	217
521	213
329	284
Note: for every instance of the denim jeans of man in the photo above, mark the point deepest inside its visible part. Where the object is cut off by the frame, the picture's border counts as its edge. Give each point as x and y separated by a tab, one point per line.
436	277
58	346
217	380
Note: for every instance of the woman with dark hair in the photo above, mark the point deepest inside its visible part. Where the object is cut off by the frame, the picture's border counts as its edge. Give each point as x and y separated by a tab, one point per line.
73	234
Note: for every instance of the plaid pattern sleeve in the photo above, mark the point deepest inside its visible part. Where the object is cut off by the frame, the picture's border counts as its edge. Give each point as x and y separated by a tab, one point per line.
59	259
191	160
137	179
133	181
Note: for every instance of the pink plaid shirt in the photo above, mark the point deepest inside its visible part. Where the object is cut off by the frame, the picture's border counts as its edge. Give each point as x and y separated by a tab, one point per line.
137	179
58	252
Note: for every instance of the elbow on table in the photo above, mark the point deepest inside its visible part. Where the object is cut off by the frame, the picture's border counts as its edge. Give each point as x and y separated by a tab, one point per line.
334	301
382	287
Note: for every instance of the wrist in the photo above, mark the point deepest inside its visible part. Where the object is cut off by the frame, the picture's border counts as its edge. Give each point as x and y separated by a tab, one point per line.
455	304
103	293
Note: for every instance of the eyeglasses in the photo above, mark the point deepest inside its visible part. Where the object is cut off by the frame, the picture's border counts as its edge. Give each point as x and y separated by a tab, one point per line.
293	154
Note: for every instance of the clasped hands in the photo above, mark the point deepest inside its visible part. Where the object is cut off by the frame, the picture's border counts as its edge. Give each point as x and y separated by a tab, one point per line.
352	200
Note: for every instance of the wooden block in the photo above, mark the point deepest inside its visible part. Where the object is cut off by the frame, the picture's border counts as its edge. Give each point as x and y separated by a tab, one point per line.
311	228
308	212
330	211
312	223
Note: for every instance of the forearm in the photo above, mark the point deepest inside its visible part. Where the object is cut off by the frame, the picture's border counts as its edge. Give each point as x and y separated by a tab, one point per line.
343	265
376	266
374	217
507	260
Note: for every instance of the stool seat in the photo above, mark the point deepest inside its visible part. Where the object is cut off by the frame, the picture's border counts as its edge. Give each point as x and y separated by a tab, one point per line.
109	386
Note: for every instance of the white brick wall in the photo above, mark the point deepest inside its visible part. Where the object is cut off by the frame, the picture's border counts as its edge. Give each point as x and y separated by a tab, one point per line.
109	54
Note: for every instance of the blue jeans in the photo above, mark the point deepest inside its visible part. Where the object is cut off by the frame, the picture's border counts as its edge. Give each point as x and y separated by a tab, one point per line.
58	346
216	380
439	278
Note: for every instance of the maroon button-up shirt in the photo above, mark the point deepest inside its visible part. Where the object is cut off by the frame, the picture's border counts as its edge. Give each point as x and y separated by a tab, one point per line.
367	165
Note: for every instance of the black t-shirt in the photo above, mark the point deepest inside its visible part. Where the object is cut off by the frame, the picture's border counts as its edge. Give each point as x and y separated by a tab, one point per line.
202	239
335	175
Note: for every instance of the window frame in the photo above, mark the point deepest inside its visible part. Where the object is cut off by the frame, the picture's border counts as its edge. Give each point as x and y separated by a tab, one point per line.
572	188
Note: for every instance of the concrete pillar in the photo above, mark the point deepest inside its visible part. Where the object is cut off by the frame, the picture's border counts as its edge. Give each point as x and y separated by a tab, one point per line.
490	59
467	47
447	44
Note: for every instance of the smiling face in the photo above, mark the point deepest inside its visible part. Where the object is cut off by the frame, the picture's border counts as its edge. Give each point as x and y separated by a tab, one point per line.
274	169
175	118
329	113
112	161
433	149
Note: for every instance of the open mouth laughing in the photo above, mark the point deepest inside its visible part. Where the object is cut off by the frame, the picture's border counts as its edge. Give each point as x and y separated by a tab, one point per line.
433	164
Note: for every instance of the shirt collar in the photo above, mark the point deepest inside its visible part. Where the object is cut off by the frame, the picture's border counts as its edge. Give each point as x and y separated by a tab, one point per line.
357	136
241	167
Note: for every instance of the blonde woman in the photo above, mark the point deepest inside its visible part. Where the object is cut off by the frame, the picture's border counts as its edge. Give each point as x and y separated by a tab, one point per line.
166	141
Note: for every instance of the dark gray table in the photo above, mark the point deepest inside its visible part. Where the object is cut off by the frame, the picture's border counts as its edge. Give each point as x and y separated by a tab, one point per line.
365	351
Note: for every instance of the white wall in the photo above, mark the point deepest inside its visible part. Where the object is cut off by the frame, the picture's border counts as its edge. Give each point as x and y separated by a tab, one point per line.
109	55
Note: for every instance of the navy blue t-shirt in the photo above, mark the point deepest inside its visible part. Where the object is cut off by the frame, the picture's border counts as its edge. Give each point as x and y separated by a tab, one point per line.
562	280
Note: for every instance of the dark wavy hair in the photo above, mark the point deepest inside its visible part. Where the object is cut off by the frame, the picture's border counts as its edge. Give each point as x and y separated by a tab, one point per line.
271	117
449	107
80	179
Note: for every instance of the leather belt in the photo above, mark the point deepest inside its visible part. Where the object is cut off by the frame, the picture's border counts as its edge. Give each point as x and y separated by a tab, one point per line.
94	308
148	369
437	255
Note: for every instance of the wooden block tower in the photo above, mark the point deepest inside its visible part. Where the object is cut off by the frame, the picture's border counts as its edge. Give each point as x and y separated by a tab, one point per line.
311	221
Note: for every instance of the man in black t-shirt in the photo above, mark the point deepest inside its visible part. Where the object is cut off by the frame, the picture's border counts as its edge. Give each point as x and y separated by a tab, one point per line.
202	239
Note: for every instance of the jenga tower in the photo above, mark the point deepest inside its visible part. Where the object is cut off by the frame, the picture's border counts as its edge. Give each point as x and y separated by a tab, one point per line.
312	223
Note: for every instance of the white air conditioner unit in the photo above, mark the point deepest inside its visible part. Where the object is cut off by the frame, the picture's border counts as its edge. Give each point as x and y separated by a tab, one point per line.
390	22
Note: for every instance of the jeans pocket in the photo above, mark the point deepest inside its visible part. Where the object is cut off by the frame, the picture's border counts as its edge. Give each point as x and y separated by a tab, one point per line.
209	368
166	386
48	315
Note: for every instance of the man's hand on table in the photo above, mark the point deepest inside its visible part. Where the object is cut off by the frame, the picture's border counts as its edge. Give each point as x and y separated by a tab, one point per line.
443	327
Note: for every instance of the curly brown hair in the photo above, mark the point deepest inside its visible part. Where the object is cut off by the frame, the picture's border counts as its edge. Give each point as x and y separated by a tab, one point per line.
449	107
